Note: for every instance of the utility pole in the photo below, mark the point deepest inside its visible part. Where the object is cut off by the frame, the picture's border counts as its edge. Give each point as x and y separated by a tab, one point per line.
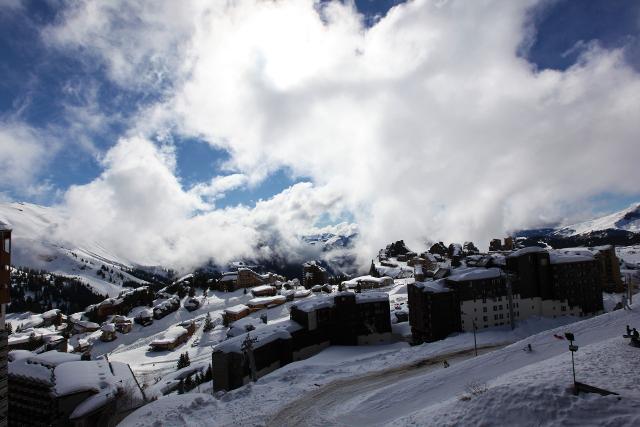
475	343
572	348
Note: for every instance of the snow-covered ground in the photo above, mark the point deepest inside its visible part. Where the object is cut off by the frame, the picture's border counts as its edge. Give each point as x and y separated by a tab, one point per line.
413	397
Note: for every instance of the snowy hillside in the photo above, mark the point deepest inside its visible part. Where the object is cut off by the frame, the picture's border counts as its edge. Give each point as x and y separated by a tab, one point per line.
401	385
625	220
37	244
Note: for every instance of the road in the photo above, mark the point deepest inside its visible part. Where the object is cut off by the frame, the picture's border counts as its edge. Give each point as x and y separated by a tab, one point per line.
323	407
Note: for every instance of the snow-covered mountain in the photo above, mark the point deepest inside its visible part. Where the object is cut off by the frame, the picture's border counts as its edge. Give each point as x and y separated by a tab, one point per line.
624	220
333	237
620	228
37	244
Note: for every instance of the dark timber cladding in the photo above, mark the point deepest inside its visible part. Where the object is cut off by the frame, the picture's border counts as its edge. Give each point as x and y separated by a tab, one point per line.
533	274
341	319
433	314
5	286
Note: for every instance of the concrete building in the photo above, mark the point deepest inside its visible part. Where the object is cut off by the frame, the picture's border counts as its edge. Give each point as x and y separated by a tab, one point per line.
342	319
313	274
60	389
536	283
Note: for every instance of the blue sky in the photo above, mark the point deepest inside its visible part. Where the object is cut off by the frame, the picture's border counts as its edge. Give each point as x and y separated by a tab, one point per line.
40	82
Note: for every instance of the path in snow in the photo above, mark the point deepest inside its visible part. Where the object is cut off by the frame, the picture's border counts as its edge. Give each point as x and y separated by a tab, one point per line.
321	406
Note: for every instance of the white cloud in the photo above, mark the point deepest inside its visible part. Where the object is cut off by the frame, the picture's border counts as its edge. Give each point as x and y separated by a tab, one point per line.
138	209
23	152
427	125
219	185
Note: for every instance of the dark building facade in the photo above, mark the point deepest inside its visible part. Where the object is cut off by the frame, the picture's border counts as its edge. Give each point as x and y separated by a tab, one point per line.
343	319
5	286
313	274
536	283
434	311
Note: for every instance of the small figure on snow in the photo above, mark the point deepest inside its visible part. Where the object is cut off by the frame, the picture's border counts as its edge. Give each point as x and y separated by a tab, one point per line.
445	364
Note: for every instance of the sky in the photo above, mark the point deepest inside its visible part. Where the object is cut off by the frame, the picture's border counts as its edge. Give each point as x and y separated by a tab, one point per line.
204	130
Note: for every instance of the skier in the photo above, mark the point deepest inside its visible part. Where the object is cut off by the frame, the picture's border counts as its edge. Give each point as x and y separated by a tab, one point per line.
446	364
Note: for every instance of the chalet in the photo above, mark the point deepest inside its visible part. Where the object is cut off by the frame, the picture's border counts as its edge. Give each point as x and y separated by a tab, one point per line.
165	307
263	291
368	282
173	337
108	332
237	312
123	324
53	318
83	326
55	388
144	317
266	302
245	278
191	304
313	274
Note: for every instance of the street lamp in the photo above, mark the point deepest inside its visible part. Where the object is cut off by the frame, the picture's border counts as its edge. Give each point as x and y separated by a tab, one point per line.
475	344
572	348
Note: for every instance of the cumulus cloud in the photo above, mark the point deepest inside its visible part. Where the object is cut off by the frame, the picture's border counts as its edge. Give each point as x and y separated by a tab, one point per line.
23	152
139	210
428	125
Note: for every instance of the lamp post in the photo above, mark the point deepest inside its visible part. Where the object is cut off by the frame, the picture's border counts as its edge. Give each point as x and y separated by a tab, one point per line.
572	348
475	344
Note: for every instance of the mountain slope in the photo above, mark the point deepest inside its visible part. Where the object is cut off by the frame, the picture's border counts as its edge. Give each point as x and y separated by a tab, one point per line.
37	244
624	220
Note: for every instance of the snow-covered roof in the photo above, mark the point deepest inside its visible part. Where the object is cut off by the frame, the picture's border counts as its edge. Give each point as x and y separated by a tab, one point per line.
302	293
474	273
236	309
266	300
227	277
37	367
51	313
314	303
108	327
379	280
103	378
4	226
24	336
262	288
527	250
564	256
263	336
435	286
372	297
170	335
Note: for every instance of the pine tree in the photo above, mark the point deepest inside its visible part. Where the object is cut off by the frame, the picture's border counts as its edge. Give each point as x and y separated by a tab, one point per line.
208	324
182	362
9	329
373	272
186	359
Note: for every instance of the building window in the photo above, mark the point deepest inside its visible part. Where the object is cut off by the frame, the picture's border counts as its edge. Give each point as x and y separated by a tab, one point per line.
484	318
500	306
563	308
484	309
495	308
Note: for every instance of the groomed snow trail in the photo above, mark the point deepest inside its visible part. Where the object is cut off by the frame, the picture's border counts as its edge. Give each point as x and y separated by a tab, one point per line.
322	406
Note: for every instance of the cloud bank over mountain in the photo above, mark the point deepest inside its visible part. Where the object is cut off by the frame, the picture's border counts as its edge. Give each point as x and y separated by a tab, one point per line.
430	124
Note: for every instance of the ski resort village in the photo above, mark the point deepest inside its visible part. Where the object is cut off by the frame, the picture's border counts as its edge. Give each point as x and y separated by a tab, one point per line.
431	337
312	213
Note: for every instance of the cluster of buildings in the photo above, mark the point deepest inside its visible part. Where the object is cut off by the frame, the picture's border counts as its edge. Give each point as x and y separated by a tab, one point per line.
501	288
345	318
245	277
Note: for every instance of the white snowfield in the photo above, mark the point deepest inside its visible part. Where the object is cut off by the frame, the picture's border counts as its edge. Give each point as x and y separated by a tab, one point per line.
626	219
522	388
